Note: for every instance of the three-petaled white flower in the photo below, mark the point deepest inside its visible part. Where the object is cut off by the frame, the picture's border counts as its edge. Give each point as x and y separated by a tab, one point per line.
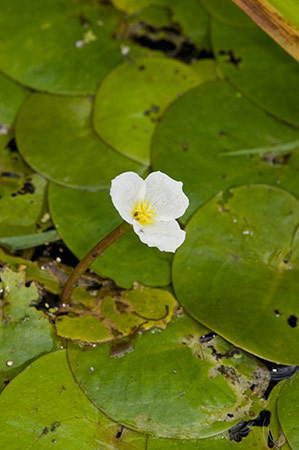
151	206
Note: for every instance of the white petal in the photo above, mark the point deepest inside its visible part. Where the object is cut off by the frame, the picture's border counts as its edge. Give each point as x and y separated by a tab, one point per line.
166	195
126	190
166	235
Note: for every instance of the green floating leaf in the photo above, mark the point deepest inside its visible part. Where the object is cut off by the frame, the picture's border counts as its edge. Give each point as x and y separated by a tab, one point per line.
288	411
132	99
40	51
83	218
190	142
21	196
140	308
149	384
87	328
247	57
118	315
228	13
45	408
55	137
259	437
238	266
28	241
25	333
12	96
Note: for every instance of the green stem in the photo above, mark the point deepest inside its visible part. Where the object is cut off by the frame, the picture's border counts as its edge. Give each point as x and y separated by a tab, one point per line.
123	229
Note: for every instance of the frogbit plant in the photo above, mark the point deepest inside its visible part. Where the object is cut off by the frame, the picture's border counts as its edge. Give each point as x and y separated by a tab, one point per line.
150	207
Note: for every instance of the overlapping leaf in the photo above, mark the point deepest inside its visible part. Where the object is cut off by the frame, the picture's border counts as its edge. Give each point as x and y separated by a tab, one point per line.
202	133
56	138
53	412
132	98
237	272
171	383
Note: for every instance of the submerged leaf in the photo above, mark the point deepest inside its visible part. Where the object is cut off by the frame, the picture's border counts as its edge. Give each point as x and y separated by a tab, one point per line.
171	383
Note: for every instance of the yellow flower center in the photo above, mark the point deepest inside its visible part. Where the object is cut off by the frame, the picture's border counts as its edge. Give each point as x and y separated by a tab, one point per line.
144	213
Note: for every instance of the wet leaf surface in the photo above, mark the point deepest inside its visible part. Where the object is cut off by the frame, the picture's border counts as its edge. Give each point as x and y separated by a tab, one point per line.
240	261
56	138
247	58
150	385
25	333
39	51
127	121
83	218
53	410
195	138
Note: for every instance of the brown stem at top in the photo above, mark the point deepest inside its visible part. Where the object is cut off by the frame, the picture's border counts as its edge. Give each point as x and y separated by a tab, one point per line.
90	257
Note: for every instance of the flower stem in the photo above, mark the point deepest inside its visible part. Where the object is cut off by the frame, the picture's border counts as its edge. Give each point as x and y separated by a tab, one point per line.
123	229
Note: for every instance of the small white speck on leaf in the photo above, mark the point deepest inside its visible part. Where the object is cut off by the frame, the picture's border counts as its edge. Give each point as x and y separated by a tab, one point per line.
45	217
4	129
124	49
79	44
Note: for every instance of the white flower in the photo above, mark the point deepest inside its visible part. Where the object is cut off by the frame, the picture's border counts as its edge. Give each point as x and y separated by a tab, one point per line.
151	206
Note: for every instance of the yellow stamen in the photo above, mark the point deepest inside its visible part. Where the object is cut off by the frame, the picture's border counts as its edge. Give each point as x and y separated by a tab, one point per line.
144	213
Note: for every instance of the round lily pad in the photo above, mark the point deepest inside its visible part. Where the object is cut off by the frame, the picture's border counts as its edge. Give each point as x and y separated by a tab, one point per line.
151	385
56	138
45	408
22	195
228	13
132	98
40	51
83	218
248	58
237	271
288	411
200	143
